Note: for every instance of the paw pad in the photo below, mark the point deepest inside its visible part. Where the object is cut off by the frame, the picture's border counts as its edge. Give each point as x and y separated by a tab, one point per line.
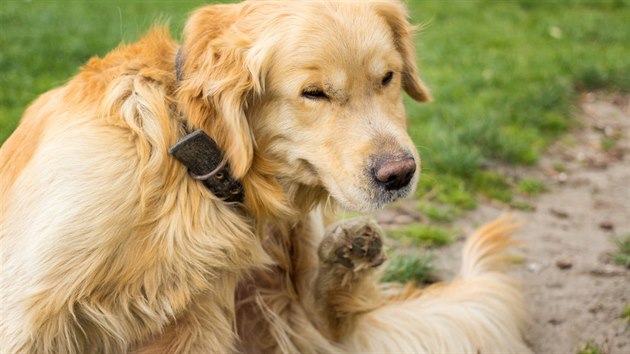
356	245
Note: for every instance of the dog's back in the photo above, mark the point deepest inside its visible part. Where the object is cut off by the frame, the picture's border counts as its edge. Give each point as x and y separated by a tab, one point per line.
101	83
82	181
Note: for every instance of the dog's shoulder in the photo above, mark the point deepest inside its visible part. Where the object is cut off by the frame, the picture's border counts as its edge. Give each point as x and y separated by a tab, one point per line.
128	76
18	149
151	58
120	106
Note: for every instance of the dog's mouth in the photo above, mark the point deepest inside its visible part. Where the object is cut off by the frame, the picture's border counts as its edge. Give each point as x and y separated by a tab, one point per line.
382	180
370	199
367	195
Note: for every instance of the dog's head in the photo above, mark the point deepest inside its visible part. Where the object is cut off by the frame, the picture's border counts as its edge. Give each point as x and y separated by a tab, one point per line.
315	88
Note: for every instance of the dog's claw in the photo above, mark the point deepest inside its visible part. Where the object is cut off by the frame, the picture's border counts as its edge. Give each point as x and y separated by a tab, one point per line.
377	262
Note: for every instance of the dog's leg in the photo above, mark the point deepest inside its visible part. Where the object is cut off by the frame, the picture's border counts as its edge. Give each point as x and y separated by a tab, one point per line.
347	283
482	311
277	306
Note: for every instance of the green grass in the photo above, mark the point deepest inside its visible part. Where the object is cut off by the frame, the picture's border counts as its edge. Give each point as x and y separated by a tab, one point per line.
442	213
504	74
422	235
531	187
626	313
589	347
559	167
417	268
523	205
446	189
505	78
622	255
515	259
492	185
608	143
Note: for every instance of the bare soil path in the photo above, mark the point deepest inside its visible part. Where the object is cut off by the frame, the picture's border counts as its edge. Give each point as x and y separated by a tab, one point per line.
575	292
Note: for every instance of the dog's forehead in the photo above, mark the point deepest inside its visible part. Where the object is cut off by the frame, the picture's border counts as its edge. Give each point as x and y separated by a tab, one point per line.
347	34
349	29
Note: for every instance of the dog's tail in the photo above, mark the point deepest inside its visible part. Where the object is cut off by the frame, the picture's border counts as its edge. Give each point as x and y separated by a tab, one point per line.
482	311
484	250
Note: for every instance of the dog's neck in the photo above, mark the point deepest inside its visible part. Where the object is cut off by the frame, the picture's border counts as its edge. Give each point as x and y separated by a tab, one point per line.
203	157
205	162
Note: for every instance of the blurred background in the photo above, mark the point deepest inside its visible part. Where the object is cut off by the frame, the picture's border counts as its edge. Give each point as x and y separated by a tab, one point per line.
510	80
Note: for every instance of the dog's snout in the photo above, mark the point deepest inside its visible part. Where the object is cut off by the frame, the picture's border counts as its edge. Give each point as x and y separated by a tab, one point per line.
394	173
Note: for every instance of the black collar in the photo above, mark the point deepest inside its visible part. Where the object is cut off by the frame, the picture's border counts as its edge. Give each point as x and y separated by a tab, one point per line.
204	159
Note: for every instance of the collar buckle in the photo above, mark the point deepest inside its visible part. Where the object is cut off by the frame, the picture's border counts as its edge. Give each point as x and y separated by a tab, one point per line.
206	163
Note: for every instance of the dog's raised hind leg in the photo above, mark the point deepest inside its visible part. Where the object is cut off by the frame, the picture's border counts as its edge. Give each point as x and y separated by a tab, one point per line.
347	282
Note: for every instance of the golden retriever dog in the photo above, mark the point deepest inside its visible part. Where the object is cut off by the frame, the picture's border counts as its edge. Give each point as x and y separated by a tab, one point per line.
112	245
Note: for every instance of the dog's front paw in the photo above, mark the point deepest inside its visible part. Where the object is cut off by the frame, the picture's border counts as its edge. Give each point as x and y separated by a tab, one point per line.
353	245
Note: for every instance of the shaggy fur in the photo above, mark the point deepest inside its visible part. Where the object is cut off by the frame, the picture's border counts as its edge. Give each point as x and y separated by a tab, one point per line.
293	308
108	246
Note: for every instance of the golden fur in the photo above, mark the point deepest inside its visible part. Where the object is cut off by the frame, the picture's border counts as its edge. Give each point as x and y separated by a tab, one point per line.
108	246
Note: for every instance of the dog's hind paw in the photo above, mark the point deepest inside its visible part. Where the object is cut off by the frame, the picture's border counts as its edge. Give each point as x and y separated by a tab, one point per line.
353	245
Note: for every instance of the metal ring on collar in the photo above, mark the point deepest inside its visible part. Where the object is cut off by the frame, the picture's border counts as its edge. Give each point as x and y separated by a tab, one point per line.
211	174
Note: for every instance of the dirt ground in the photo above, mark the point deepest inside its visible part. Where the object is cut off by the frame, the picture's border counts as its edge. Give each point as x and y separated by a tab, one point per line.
575	292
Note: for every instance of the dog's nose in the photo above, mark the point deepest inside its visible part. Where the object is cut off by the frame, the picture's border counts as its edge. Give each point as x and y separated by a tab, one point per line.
394	173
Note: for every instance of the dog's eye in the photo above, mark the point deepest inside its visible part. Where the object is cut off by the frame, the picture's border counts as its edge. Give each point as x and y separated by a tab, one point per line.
387	79
314	94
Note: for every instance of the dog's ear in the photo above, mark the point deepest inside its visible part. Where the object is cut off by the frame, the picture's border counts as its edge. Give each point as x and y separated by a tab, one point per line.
395	14
218	77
